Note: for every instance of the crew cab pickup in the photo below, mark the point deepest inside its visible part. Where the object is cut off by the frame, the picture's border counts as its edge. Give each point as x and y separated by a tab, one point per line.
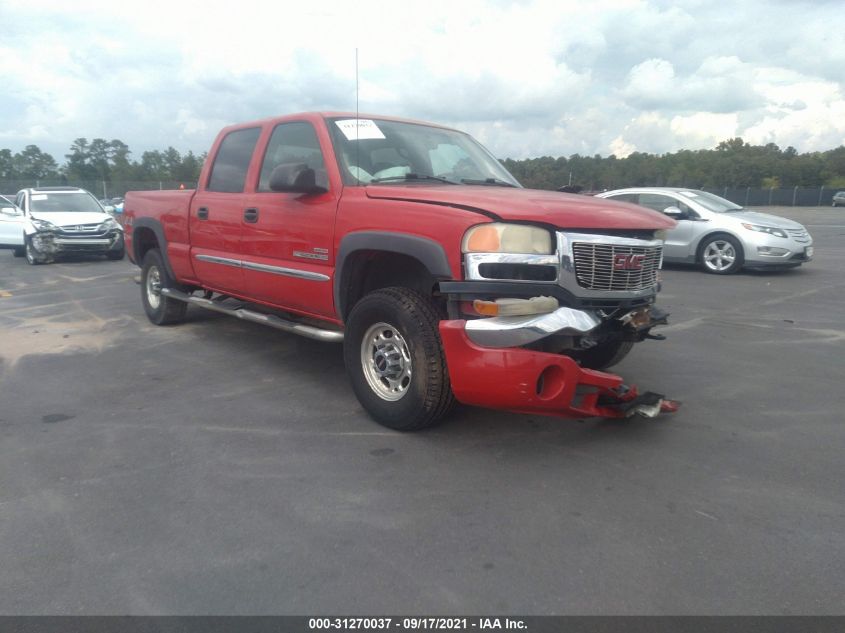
411	244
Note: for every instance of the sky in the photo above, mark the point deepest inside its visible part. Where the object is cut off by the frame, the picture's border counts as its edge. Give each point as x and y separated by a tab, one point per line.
528	79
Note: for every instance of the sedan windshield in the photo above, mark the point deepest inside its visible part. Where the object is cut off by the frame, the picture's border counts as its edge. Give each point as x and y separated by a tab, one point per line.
391	152
54	202
711	201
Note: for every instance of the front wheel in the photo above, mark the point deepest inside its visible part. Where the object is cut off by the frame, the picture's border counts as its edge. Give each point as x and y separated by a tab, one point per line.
117	255
395	359
33	257
19	252
721	255
160	309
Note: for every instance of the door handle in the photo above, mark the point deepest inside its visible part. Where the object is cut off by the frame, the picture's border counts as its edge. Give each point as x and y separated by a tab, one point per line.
202	213
251	215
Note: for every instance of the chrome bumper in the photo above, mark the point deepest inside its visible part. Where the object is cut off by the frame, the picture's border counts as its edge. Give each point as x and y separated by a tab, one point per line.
513	331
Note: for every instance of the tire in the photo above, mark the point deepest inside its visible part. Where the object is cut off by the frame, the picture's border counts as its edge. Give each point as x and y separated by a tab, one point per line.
117	255
19	252
33	257
395	359
604	355
720	255
160	310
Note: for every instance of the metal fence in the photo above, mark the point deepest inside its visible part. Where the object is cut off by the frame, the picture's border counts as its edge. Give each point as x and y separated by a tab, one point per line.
745	196
101	189
779	197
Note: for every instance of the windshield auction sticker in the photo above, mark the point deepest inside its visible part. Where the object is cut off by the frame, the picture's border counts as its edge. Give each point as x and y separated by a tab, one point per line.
365	129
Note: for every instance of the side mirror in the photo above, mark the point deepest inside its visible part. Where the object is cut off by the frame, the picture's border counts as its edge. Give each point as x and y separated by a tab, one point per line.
674	212
295	178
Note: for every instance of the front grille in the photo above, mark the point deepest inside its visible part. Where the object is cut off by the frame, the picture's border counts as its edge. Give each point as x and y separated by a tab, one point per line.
799	235
82	230
611	267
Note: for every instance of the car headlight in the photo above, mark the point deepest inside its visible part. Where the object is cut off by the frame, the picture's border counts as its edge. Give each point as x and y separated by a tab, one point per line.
108	225
660	235
497	237
765	229
43	225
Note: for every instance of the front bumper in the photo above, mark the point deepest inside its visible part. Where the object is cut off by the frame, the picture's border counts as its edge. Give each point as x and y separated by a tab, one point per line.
762	250
52	243
525	381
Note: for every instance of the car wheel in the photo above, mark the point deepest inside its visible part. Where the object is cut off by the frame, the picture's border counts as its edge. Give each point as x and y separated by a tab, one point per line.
160	309
19	252
116	255
395	359
603	355
721	255
33	256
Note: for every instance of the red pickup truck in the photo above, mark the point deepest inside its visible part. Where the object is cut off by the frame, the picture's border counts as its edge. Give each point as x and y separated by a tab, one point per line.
412	245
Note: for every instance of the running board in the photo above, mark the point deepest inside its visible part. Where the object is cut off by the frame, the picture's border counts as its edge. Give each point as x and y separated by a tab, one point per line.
308	331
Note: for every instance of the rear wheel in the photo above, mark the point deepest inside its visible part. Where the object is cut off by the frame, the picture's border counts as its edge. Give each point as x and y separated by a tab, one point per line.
395	359
160	309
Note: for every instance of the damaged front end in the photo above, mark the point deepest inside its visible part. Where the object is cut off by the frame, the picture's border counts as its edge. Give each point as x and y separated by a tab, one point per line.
531	332
48	240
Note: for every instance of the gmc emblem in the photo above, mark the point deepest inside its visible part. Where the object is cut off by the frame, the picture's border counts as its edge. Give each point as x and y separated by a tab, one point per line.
628	261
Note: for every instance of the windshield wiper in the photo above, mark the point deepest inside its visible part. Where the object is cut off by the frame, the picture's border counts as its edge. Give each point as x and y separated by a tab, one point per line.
413	177
494	182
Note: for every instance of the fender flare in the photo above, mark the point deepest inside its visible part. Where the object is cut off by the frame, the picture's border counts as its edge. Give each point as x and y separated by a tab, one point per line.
428	252
158	230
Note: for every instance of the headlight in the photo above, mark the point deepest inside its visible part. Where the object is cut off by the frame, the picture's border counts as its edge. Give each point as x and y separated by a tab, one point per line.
765	229
43	225
108	225
660	235
507	238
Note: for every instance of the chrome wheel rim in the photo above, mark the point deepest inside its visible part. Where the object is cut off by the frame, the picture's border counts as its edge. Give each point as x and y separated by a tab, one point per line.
153	287
719	255
386	361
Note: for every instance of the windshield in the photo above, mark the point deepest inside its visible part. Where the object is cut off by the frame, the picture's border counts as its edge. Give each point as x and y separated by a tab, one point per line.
53	202
711	201
394	152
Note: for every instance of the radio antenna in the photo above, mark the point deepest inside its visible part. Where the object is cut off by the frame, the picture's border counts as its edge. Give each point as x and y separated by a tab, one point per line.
357	124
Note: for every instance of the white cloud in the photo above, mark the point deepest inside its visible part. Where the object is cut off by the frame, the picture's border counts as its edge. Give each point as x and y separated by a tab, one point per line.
529	78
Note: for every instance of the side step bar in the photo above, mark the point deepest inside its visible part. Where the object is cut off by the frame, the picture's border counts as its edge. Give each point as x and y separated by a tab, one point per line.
308	331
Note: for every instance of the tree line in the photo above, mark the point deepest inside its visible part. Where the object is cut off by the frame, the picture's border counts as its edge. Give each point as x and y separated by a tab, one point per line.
101	160
733	163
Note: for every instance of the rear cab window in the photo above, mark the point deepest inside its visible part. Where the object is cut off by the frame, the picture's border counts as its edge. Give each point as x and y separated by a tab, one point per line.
228	173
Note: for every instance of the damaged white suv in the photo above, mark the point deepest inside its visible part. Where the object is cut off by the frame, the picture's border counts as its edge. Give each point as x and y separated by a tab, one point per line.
59	220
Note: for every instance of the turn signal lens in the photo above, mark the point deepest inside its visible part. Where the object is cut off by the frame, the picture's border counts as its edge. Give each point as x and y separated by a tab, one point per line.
486	308
482	239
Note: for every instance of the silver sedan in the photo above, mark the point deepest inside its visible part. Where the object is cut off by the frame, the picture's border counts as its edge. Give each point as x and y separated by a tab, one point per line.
719	235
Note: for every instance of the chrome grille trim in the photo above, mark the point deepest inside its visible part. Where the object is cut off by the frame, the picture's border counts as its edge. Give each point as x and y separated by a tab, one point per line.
594	266
589	258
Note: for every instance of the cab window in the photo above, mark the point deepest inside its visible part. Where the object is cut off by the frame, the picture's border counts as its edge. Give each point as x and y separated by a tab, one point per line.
228	173
293	143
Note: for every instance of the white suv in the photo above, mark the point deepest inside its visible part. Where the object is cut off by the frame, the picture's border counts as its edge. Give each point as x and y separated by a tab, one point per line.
49	221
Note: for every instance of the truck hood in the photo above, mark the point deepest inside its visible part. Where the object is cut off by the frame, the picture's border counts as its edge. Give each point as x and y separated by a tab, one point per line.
765	219
70	218
562	210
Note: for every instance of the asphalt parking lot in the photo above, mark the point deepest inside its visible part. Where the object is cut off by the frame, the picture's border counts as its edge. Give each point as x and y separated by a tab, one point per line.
219	467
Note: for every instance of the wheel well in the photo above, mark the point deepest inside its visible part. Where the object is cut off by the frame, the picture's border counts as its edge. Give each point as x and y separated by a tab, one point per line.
703	241
368	270
143	240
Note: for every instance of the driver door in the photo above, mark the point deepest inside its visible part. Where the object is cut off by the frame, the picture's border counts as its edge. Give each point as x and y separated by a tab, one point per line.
678	240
